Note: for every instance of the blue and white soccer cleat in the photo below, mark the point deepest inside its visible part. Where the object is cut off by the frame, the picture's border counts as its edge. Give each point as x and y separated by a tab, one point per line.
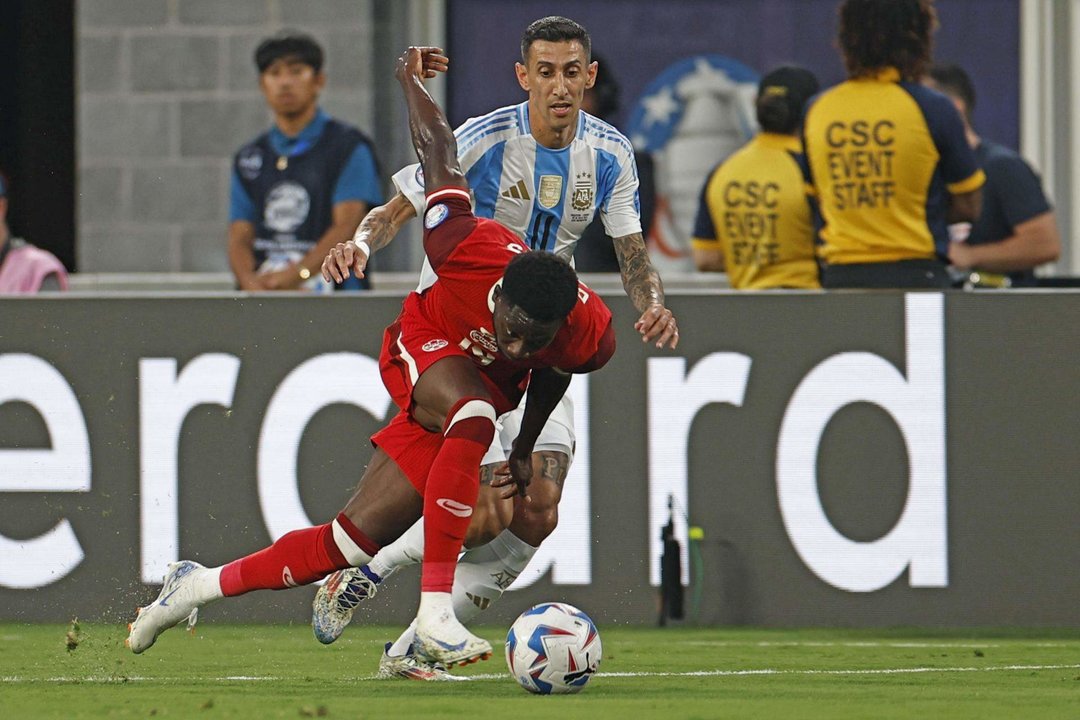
335	601
441	638
411	667
175	603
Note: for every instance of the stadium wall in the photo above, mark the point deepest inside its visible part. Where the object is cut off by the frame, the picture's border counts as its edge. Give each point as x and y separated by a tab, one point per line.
167	91
852	459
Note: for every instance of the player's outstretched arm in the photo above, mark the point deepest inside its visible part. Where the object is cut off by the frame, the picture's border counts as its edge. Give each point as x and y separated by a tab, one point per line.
375	232
546	388
432	136
644	288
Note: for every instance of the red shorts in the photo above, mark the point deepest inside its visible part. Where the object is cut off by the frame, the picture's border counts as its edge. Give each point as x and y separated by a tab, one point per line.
411	345
412	447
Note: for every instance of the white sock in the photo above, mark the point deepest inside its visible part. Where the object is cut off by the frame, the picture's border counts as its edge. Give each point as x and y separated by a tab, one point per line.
483	573
406	550
402	645
435	607
208	585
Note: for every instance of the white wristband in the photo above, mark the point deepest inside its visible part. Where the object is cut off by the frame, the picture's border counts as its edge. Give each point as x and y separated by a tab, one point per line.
363	246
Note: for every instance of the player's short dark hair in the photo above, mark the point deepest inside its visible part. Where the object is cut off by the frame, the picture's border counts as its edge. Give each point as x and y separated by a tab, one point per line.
542	284
782	96
289	44
881	33
555	28
953	81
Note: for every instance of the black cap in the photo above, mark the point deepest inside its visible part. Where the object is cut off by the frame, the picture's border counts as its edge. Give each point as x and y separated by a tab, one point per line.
794	84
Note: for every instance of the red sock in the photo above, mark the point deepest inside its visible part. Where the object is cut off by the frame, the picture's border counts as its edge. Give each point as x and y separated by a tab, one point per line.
452	487
297	558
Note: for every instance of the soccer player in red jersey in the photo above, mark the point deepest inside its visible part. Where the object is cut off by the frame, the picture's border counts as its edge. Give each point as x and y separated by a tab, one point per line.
500	321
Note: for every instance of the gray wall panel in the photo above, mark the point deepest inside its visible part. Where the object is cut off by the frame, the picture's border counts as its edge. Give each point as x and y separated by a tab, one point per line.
1006	427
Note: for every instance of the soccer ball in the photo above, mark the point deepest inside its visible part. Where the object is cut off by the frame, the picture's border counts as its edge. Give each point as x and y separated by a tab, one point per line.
553	648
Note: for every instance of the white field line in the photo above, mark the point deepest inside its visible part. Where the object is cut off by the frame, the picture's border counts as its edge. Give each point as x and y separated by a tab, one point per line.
865	644
16	680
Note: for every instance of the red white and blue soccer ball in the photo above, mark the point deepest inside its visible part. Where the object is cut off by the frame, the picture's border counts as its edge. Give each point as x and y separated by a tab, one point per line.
553	648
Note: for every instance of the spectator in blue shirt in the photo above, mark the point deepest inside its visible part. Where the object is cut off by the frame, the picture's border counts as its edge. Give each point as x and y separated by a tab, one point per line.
304	185
1016	231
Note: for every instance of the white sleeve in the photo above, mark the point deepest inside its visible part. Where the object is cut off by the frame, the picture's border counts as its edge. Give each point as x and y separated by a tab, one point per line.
621	215
409	181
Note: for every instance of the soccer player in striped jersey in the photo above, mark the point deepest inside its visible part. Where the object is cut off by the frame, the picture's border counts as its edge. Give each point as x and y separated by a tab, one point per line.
544	168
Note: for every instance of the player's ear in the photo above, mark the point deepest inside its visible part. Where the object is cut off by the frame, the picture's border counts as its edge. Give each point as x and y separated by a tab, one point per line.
320	80
590	75
522	73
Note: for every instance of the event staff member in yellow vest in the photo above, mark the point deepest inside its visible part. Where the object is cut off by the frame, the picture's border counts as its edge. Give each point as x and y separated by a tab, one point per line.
754	220
888	158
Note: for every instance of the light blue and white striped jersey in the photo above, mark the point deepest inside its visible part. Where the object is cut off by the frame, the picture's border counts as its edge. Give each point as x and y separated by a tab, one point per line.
547	197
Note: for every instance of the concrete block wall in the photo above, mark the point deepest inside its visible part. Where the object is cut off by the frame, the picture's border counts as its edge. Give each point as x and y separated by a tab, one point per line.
167	92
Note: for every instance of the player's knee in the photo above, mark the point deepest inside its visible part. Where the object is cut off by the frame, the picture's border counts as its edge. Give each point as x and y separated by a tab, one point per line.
534	521
538	516
546	520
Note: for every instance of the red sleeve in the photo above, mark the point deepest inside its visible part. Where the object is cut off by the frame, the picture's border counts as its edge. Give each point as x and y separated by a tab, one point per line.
448	220
604	350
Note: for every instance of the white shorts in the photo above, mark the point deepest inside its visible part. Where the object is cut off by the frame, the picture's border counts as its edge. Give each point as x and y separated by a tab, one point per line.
557	435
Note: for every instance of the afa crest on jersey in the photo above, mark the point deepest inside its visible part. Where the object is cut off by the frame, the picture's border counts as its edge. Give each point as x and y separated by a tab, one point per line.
582	197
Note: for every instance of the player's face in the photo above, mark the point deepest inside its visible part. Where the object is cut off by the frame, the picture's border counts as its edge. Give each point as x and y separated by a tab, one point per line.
518	335
555	77
291	87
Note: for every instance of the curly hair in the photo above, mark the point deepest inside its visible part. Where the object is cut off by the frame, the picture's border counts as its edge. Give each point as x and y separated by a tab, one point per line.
886	33
542	284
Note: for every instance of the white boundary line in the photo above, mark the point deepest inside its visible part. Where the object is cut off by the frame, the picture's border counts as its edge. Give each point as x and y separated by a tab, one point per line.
16	680
864	644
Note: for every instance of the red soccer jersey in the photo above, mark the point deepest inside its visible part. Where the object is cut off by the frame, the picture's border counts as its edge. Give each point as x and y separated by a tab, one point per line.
454	316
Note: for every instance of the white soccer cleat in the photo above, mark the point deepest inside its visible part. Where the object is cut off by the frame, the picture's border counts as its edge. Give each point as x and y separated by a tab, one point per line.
175	603
410	667
441	638
336	600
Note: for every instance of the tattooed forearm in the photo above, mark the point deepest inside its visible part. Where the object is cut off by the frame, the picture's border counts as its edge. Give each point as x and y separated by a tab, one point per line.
380	225
376	230
640	279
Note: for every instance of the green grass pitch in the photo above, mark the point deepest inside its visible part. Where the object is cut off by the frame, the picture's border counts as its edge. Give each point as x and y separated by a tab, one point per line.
273	671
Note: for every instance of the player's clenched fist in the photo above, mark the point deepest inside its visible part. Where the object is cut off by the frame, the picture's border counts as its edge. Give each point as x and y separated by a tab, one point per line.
421	62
